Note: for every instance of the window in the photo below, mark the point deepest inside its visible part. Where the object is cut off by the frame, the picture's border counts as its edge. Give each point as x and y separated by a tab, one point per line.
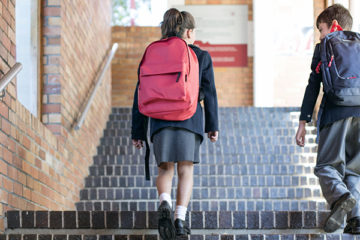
27	53
139	12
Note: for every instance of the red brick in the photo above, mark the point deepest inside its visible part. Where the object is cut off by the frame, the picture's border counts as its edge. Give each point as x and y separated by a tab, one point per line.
54	60
4	110
3	194
5	2
5	126
42	154
21	152
53	41
51	108
12	173
6	15
8	184
38	140
3	138
38	163
3	53
8	156
3	168
3	24
53	79
52	11
11	145
26	142
56	129
50	89
13	50
17	161
6	42
18	189
52	31
11	8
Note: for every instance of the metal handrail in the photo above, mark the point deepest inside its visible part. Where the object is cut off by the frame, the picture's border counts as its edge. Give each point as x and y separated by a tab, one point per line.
6	79
81	119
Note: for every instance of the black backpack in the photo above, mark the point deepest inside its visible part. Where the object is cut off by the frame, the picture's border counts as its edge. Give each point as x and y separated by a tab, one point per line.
340	66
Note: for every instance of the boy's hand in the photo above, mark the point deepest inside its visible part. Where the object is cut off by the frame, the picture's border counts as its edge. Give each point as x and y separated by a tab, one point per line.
138	143
213	136
300	135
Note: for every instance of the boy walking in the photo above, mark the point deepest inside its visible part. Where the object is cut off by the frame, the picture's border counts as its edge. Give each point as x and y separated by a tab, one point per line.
338	159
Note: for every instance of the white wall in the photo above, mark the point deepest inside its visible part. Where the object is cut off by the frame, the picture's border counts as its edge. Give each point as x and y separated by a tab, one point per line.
283	47
354	7
263	64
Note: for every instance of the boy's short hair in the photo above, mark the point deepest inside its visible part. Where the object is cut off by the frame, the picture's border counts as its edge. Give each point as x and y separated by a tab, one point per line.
336	12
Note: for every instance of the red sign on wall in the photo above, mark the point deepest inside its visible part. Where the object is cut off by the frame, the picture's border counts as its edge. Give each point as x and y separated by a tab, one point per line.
222	30
226	55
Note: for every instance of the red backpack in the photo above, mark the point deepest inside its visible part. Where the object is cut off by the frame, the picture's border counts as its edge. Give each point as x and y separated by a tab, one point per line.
168	80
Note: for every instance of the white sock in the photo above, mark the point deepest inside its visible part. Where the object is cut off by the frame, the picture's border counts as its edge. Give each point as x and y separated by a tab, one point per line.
165	197
180	212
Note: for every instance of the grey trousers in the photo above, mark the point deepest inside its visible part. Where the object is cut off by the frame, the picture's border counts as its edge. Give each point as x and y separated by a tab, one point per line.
338	161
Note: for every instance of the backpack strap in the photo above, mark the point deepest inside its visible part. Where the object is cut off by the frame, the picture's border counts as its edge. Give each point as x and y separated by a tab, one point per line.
147	151
334	28
147	157
317	69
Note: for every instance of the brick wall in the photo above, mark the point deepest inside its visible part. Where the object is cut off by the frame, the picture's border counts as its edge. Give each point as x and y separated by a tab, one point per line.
132	43
234	85
51	45
43	165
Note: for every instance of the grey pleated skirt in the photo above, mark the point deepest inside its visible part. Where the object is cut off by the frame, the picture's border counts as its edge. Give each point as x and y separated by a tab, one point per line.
176	144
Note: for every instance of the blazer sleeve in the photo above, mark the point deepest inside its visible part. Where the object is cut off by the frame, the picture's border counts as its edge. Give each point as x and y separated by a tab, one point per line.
210	97
139	121
312	89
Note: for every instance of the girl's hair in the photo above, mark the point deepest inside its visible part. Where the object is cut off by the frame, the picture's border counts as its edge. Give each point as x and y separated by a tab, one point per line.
335	12
175	23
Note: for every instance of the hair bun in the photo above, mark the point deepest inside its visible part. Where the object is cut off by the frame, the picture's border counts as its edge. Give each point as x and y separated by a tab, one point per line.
179	19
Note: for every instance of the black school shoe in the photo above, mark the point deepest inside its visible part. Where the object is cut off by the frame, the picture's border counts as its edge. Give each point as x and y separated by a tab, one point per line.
165	223
342	206
353	226
181	228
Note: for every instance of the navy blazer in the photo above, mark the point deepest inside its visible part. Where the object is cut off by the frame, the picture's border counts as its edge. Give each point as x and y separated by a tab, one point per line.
194	124
330	112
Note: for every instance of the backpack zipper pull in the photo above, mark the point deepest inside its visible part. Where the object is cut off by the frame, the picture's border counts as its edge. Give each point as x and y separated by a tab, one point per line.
332	58
317	69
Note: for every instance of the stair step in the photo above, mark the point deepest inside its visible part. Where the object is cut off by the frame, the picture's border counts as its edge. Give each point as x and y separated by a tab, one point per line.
256	132
229	170
212	182
218	234
211	161
148	220
130	151
198	194
249	126
208	205
239	141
